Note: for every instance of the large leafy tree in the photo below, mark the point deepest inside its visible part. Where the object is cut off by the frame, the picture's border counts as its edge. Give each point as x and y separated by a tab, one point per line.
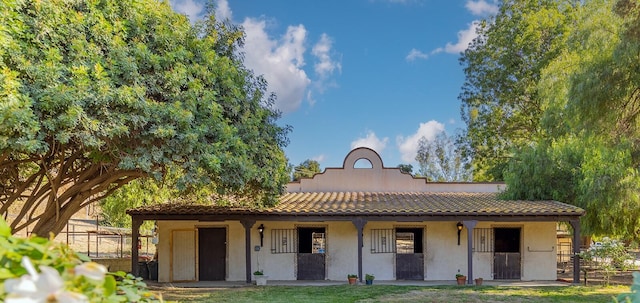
500	102
441	160
96	94
306	169
590	155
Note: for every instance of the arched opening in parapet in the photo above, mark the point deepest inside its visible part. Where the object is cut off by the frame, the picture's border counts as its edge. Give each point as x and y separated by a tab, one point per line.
363	163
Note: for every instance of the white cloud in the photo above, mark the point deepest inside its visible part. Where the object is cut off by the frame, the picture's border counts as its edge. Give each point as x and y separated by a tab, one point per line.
319	158
310	98
415	54
371	141
279	61
408	146
191	8
481	7
223	11
464	39
325	66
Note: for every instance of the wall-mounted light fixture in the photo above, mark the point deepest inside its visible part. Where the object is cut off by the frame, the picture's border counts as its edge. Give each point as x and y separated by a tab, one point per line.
261	231
459	225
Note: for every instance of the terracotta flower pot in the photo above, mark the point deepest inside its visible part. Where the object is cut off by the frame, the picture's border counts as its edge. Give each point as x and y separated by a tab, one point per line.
461	280
353	281
478	281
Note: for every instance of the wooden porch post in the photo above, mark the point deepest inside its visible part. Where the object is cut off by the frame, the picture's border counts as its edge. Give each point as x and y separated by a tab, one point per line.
135	233
470	226
575	224
359	223
247	238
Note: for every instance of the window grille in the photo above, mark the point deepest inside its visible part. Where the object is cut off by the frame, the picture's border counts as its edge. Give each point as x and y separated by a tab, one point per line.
383	241
284	241
483	240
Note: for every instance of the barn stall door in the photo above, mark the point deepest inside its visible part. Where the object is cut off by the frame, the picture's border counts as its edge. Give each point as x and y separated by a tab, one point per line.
183	255
507	256
409	254
311	253
212	254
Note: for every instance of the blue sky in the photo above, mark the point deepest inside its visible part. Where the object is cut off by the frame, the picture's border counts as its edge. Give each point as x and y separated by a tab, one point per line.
374	73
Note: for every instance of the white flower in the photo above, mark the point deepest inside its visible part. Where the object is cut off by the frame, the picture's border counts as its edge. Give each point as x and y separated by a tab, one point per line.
91	270
23	286
37	288
71	297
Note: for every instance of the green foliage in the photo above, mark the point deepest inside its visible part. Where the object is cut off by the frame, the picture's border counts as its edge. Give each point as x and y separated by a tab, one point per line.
352	276
441	160
596	177
137	193
96	94
587	152
500	101
369	277
66	264
608	257
406	168
634	295
306	169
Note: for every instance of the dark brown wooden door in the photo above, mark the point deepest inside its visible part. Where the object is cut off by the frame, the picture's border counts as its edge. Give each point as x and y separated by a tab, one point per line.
506	265
507	257
311	253
310	266
212	252
409	254
410	266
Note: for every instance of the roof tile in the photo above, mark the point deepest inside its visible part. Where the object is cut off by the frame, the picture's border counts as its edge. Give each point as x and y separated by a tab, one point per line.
376	203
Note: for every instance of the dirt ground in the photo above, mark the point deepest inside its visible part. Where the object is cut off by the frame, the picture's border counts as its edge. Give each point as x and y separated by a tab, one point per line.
598	277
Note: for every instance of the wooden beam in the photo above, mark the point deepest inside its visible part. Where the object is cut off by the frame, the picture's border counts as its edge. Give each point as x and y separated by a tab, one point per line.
359	223
575	224
470	225
135	233
247	247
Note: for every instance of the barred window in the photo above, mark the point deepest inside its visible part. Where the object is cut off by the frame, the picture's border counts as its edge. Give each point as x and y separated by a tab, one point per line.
284	241
383	241
483	240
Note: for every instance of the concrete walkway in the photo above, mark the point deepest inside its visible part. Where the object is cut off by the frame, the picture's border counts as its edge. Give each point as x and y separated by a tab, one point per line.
231	284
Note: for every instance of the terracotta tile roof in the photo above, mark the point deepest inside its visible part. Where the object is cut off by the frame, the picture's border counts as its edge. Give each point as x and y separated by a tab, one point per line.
380	203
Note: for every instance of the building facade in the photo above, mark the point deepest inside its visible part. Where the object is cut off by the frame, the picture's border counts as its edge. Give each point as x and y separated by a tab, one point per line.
373	220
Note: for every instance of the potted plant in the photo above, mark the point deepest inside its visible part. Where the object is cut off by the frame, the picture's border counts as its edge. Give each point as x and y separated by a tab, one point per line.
369	279
478	281
353	278
260	277
461	279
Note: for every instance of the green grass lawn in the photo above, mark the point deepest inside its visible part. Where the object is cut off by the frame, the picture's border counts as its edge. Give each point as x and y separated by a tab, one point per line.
389	293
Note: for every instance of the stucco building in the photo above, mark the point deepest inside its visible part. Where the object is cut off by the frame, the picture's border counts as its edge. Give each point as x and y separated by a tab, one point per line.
374	220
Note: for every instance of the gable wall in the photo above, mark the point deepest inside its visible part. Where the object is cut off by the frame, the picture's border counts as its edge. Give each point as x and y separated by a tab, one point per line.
379	179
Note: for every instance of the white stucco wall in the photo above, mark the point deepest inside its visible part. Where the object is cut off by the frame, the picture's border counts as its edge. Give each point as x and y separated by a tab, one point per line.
539	251
443	257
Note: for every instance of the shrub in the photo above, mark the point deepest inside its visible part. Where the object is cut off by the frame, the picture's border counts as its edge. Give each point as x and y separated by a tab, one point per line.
35	269
608	257
634	295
